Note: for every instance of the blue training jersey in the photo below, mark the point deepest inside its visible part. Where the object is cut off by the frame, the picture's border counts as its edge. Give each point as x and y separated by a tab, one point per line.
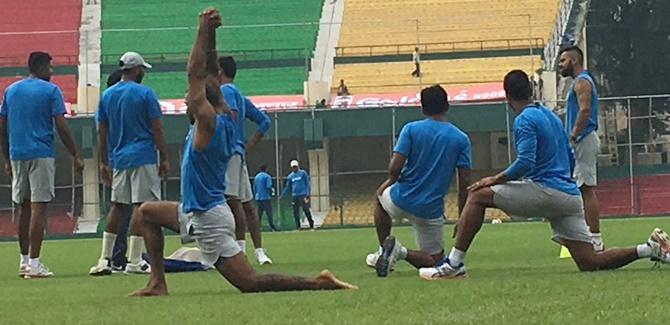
573	107
434	149
30	105
203	172
543	151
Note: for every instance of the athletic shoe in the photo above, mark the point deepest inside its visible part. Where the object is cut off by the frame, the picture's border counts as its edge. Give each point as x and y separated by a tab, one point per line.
118	268
41	271
443	271
371	259
23	270
141	268
262	258
104	267
389	255
659	241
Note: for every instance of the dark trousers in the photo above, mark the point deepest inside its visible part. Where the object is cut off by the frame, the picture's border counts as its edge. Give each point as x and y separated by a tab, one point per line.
266	206
298	202
417	70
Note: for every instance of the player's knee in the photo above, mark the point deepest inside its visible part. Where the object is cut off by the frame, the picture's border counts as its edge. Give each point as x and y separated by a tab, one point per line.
587	263
478	197
248	284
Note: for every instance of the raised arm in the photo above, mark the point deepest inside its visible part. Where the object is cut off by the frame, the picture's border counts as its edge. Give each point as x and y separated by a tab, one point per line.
259	118
198	106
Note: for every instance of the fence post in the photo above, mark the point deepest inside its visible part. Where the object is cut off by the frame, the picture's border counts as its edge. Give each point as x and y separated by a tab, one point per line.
630	157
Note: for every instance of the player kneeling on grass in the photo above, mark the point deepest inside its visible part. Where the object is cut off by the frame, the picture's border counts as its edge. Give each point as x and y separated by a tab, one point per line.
426	155
204	214
545	188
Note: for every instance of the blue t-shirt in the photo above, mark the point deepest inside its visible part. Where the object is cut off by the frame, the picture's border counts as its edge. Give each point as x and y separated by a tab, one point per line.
263	186
573	108
543	153
29	105
298	183
128	108
245	110
433	150
203	172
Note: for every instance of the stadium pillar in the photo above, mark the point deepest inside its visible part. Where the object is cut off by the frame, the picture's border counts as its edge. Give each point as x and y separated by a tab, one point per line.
91	209
319	174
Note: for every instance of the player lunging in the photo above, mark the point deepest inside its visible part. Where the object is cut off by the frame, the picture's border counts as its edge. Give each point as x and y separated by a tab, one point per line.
208	148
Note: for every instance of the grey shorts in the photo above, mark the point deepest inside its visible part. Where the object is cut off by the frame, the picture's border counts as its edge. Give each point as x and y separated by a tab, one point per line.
237	180
136	185
428	233
586	159
214	230
565	212
33	180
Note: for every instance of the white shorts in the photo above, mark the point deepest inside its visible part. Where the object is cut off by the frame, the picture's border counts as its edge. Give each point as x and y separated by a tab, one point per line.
586	160
237	180
33	180
136	185
428	233
214	231
565	212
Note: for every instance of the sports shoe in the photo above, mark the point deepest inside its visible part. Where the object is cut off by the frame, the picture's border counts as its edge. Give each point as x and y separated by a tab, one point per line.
141	268
389	255
659	241
23	269
118	268
371	259
262	258
444	270
41	271
104	267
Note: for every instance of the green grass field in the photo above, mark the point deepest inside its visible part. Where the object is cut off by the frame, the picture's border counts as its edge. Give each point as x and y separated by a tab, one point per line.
516	277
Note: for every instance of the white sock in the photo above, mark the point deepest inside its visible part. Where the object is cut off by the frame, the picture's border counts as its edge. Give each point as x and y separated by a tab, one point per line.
260	251
25	259
108	240
403	252
643	250
596	237
243	246
34	263
456	256
135	249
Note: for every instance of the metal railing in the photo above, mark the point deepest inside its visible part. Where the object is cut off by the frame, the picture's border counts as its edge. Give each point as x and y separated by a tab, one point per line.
441	47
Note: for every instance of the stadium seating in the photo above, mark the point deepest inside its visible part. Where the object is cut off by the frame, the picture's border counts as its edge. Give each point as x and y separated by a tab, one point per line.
170	85
395	76
396	27
67	84
178	20
377	22
31	25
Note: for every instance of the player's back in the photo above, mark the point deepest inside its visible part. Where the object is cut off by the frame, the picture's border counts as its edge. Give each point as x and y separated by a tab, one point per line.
553	159
29	106
128	108
203	171
434	149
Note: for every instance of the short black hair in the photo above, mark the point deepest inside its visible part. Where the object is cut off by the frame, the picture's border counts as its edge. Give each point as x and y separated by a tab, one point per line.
114	77
517	86
264	167
228	66
434	100
574	48
38	61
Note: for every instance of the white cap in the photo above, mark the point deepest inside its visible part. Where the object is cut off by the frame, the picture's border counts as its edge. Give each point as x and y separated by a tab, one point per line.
294	163
130	60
